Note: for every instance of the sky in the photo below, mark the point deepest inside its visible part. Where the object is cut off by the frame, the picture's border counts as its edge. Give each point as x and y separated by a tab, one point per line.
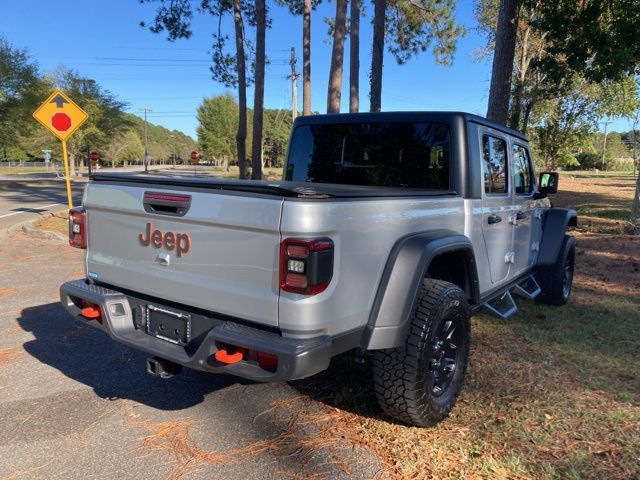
103	40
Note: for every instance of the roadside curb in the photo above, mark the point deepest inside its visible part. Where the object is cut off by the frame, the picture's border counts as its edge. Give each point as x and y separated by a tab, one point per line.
28	228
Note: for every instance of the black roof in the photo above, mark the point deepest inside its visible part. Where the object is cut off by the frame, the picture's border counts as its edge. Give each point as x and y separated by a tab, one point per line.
447	117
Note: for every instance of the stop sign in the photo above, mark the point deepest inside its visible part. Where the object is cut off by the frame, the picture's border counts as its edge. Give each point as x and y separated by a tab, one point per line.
94	156
61	122
195	155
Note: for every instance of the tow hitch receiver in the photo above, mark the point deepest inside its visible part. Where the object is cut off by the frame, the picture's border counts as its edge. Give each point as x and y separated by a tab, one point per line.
160	367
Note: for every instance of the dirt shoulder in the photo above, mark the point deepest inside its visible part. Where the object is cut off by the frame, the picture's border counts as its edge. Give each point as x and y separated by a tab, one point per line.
603	201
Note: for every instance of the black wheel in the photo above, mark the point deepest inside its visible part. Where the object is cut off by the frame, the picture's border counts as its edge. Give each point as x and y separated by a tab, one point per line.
418	383
556	280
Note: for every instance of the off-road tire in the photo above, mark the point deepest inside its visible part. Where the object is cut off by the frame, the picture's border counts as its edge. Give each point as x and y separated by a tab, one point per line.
404	376
556	280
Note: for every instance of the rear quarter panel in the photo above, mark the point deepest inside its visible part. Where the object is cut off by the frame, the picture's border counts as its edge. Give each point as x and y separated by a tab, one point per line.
364	232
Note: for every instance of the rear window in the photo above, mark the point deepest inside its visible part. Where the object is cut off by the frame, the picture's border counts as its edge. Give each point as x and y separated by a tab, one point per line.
390	154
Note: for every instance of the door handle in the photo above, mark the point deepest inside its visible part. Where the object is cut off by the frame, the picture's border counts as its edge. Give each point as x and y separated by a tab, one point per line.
494	219
520	215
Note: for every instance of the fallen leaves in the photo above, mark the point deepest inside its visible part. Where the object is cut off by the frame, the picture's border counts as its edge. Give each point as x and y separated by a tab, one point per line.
6	292
9	354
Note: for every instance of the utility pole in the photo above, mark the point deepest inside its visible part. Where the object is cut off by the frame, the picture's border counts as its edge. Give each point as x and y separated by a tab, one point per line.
146	152
604	144
294	86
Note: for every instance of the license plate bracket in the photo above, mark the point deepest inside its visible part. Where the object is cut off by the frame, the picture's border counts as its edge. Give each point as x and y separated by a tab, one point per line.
174	327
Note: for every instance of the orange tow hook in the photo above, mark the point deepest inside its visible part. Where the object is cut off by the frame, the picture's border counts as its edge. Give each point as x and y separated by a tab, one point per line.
223	356
90	312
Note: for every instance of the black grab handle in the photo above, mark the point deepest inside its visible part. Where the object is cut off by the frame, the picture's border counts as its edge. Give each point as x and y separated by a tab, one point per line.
164	203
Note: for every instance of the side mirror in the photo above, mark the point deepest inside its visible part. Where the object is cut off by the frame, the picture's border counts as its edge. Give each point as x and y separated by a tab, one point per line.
548	184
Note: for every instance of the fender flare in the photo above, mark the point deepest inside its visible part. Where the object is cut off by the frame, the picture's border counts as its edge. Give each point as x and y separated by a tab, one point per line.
405	269
554	224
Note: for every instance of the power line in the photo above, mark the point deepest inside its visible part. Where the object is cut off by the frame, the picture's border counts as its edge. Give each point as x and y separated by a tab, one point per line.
146	65
127	47
170	111
164	98
130	59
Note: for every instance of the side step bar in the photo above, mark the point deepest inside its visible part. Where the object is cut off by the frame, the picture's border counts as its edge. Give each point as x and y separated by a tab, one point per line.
527	288
503	305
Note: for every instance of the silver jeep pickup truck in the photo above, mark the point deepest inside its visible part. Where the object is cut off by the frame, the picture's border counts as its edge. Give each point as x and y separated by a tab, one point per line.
386	233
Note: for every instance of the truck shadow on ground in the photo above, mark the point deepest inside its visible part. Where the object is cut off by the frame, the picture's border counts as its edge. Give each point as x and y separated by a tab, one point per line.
114	371
347	384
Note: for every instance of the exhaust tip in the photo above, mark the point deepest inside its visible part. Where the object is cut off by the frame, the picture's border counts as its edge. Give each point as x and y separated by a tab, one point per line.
160	367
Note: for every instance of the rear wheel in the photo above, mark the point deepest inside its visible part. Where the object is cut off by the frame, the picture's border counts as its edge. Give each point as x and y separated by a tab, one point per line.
418	383
556	280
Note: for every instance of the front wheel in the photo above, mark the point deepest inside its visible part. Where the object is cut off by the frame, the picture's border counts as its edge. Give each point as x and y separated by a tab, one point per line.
556	280
419	382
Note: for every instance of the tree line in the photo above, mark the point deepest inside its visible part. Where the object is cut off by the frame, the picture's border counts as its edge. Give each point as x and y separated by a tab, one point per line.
218	119
561	69
109	129
403	27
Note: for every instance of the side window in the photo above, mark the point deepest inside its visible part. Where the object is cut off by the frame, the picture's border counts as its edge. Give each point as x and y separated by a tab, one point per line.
521	170
494	165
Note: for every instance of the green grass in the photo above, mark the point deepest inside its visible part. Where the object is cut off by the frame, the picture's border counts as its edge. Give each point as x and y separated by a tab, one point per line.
19	170
552	393
268	172
599	342
592	174
602	211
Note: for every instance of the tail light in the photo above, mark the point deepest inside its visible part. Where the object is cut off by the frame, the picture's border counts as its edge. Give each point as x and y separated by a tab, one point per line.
306	266
77	228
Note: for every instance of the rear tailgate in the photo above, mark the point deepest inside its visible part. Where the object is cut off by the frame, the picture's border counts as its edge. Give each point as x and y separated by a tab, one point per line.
228	264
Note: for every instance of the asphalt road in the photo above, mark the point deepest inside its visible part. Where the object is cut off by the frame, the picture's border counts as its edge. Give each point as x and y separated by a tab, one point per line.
26	200
26	196
76	405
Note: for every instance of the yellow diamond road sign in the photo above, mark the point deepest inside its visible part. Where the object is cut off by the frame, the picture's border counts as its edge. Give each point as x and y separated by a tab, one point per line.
60	115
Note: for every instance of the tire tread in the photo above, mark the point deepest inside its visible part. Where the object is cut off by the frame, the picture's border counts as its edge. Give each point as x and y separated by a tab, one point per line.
399	373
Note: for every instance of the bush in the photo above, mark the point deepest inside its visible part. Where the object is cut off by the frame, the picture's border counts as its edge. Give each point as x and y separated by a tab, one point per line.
589	161
568	161
619	166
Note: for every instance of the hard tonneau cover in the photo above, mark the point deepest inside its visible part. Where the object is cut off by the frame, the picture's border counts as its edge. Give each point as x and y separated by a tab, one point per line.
273	188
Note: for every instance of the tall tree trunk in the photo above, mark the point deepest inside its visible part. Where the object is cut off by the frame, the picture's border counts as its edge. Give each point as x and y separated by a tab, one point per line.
377	55
526	115
635	206
72	164
258	95
515	113
354	57
502	71
517	106
306	58
241	135
337	58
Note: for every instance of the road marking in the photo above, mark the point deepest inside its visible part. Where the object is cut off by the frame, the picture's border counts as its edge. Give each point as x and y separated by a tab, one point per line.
30	210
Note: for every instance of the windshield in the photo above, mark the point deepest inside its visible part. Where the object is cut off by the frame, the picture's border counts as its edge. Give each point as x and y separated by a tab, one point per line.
385	154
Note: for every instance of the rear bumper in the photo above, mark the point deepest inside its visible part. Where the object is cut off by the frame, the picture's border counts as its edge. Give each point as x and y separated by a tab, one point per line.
297	358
